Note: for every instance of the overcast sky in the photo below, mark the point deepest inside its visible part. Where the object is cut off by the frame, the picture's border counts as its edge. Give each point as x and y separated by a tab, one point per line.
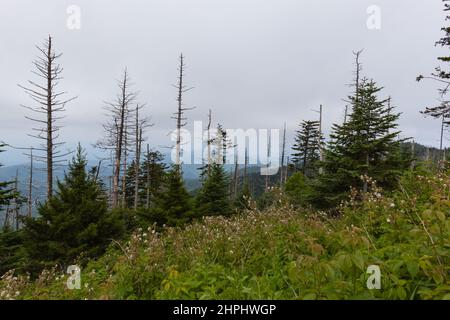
255	63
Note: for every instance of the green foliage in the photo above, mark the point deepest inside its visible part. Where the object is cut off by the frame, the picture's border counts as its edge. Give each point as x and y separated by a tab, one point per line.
367	145
271	198
299	190
173	204
243	199
280	254
306	147
74	223
11	250
153	173
213	198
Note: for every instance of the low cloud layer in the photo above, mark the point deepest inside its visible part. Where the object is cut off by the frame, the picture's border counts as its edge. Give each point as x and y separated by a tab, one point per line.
256	64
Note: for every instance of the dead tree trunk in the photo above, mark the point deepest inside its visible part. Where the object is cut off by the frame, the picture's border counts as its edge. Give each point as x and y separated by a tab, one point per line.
282	155
124	167
413	155
346	114
357	73
179	115
268	164
209	142
49	103
116	128
321	151
30	186
16	200
236	176
139	127
147	202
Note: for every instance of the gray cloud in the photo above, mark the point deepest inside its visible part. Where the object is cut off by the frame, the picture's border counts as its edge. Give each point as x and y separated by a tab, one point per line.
255	63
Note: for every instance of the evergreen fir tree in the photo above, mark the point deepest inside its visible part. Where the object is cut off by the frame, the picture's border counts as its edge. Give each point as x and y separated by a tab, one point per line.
299	190
74	223
367	144
307	147
129	185
213	197
172	206
153	171
11	250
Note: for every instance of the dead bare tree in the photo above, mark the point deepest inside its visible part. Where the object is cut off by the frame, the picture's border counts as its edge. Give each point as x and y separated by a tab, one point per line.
346	114
29	154
17	201
245	166
140	125
236	176
441	112
283	150
209	141
358	70
124	164
49	102
269	146
179	115
147	200
116	130
30	186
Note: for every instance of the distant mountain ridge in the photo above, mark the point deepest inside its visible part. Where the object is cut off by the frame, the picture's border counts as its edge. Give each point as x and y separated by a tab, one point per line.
190	173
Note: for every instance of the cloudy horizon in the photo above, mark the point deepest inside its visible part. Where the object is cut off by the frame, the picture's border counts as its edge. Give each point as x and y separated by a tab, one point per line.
256	64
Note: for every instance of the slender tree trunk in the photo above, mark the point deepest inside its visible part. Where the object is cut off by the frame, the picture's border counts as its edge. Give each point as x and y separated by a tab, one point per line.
6	221
268	164
147	202
209	142
413	155
179	112
124	167
236	176
49	121
282	155
137	159
16	203
287	171
321	153
30	186
49	102
441	145
346	114
120	138
97	173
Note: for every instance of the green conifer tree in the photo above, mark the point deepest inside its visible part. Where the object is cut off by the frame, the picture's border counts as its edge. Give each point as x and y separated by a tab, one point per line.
213	198
153	171
11	250
306	148
172	206
74	224
367	144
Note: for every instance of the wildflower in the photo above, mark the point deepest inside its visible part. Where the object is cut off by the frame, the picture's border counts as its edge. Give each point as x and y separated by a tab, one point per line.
392	205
